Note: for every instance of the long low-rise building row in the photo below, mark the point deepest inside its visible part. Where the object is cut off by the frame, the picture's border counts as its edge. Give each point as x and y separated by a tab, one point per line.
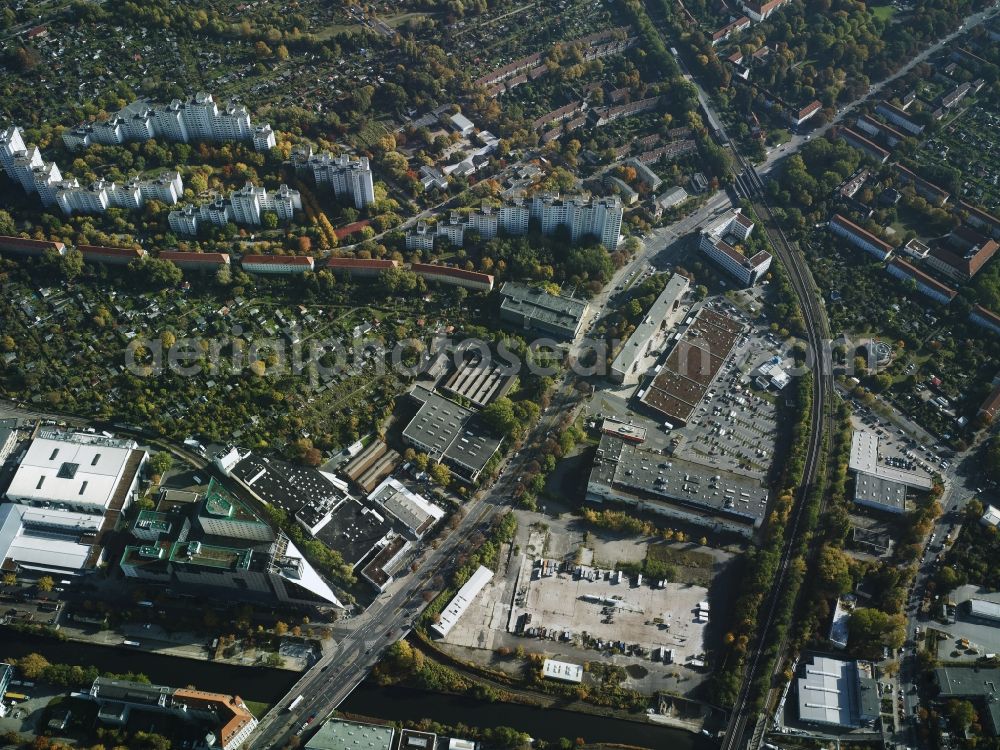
650	330
244	206
926	284
872	149
197	119
861	238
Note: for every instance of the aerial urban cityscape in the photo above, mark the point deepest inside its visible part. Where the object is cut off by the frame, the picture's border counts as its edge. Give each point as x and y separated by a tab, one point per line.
494	375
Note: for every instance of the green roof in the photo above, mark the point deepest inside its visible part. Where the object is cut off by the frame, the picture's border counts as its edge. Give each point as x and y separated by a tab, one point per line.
208	555
337	734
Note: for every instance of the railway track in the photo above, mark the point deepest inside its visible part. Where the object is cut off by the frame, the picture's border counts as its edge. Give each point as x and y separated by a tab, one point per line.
746	728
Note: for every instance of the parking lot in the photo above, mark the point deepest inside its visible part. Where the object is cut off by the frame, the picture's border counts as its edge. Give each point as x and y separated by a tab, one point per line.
897	449
968	638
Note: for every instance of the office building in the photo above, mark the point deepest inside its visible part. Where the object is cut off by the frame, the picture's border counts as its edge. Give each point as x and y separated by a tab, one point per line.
220	546
843	227
244	206
198	119
414	511
227	718
650	332
341	734
719	240
348	177
837	693
461	601
450	434
535	310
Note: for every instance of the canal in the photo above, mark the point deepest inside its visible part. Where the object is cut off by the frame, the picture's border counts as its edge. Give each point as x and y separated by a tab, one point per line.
251	683
407	704
390	703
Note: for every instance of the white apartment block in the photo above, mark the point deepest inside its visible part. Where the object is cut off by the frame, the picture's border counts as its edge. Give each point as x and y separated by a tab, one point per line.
23	164
420	238
348	177
733	224
601	217
514	218
199	118
101	195
244	206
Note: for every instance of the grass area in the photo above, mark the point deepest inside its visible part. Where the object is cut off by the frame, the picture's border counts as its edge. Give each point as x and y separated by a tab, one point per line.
883	12
687	565
257	708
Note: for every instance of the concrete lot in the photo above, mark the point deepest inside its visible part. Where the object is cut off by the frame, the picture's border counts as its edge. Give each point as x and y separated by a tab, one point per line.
557	602
983	636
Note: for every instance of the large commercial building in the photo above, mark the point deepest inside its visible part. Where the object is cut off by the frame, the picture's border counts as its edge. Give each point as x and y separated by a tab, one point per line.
649	332
461	601
451	434
718	240
720	500
837	693
68	491
198	119
218	545
877	486
226	717
340	734
348	177
843	227
686	375
536	310
244	206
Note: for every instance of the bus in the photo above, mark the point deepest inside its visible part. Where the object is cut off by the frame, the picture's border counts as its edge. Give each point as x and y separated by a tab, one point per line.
133	644
15	697
294	703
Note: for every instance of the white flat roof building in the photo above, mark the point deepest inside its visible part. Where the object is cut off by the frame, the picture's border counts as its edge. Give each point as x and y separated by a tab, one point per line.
414	511
457	606
76	471
50	541
562	670
864	458
625	368
984	609
991	516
